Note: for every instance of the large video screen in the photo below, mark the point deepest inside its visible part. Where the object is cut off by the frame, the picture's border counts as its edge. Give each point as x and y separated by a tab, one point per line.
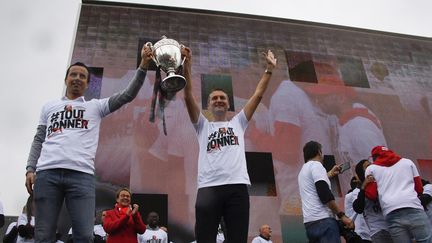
348	89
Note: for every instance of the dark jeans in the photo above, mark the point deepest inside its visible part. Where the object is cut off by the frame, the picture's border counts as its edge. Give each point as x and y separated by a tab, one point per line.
229	201
77	189
323	231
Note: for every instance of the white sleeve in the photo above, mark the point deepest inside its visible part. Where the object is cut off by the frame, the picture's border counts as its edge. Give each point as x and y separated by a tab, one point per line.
200	123
242	120
43	118
369	171
318	173
414	169
1	208
103	106
427	189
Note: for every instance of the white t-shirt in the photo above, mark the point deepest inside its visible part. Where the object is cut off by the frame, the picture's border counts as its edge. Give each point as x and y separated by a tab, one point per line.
222	158
153	236
396	185
72	133
361	228
22	220
259	239
312	207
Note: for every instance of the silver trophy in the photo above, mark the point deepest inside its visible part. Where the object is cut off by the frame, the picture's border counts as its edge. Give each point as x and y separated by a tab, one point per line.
167	56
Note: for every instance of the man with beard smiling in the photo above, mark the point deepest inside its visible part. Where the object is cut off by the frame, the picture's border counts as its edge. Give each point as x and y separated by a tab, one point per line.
222	171
63	152
153	233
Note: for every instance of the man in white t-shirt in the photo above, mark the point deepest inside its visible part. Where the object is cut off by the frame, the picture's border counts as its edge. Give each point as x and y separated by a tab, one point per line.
153	233
318	203
370	210
222	172
397	187
64	148
264	235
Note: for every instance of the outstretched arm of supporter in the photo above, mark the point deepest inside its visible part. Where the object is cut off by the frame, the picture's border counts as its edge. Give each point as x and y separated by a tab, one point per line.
254	101
191	104
127	95
34	154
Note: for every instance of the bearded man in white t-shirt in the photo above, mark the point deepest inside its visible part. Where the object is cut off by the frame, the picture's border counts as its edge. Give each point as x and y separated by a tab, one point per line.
222	172
64	148
318	203
397	187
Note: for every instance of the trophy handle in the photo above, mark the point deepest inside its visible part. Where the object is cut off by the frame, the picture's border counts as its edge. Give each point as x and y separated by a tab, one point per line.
149	44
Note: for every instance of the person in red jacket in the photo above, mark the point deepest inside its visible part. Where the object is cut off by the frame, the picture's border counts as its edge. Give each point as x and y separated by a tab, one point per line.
123	223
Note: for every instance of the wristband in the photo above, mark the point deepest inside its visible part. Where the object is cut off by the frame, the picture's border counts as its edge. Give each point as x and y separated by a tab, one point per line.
268	71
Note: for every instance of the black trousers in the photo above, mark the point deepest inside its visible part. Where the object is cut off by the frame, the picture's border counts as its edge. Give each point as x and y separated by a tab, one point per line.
229	201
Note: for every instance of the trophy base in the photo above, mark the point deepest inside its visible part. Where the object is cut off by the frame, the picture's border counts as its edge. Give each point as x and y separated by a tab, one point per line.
173	83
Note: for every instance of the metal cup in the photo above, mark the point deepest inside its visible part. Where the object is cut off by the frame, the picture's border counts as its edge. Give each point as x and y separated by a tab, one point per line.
167	56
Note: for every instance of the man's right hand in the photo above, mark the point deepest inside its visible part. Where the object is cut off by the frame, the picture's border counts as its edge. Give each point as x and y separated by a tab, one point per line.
30	178
349	224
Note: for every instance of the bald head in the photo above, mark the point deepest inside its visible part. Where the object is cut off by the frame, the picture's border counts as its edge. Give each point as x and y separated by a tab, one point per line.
265	230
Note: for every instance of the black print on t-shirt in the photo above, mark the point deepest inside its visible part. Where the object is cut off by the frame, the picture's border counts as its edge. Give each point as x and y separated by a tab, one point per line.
69	117
223	137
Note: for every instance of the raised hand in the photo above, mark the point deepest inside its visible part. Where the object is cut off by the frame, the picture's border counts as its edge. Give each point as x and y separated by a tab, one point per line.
135	209
146	56
270	59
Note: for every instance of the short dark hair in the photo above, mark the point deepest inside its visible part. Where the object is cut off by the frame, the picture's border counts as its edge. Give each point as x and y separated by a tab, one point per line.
216	89
359	169
81	65
353	183
310	150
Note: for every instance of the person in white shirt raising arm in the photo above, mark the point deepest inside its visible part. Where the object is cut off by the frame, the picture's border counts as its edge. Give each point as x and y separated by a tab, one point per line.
222	171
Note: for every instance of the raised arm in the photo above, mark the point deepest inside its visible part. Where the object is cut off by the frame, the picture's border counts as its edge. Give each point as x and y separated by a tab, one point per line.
127	95
191	105
254	101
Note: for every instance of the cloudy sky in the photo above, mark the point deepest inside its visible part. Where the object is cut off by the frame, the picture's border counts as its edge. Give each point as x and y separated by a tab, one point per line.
36	45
